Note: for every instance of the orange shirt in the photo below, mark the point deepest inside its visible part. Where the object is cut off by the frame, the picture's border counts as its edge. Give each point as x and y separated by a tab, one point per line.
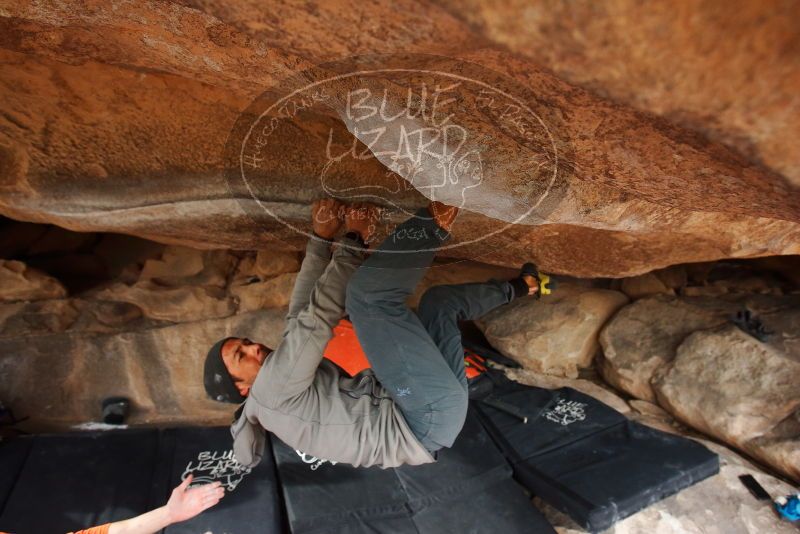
344	349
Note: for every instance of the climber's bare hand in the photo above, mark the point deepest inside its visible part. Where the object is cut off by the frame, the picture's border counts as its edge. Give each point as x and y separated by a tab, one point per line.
326	217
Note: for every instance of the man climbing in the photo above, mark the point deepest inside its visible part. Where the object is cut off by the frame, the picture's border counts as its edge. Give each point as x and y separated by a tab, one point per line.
413	400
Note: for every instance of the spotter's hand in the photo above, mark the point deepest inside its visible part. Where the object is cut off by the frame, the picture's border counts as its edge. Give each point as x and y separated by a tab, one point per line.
186	502
326	217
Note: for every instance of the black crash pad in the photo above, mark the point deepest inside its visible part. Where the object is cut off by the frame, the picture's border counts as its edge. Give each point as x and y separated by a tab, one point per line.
76	481
13	454
469	489
252	497
73	481
585	458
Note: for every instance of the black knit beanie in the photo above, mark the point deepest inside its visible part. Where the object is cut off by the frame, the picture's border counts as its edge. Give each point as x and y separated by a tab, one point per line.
216	378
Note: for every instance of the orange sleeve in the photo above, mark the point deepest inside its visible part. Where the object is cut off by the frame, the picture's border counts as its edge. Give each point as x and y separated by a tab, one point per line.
102	529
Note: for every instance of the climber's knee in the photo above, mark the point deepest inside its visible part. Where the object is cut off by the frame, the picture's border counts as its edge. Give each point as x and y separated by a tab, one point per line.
448	418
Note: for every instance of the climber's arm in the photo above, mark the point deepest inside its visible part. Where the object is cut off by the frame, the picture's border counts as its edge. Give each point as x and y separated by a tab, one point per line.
318	254
325	220
300	352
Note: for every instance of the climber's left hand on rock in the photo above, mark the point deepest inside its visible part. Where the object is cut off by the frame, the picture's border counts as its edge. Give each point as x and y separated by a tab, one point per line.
326	217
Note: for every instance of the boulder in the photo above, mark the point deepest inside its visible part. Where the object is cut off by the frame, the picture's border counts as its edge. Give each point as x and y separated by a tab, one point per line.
60	379
698	273
705	291
674	277
270	263
20	282
606	190
729	385
107	317
764	284
662	281
125	255
458	272
736	277
36	318
18	319
180	266
273	293
783	325
175	263
644	285
556	334
175	304
645	334
265	264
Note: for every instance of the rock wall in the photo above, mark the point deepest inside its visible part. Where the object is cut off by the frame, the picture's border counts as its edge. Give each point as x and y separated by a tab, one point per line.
555	335
727	384
142	335
143	332
693	64
736	383
116	120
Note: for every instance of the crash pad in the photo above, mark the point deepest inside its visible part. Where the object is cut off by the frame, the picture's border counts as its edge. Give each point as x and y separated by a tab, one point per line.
585	458
468	489
72	481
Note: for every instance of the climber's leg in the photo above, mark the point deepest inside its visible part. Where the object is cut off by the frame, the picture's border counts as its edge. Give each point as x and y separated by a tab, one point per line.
441	307
401	352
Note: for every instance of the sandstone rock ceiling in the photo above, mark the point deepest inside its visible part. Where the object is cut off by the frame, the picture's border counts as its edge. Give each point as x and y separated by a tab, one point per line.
728	70
676	128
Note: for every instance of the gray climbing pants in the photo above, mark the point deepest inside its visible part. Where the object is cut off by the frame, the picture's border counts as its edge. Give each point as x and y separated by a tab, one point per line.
418	357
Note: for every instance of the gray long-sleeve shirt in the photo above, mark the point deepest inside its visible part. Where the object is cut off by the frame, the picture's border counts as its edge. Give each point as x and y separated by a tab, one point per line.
305	400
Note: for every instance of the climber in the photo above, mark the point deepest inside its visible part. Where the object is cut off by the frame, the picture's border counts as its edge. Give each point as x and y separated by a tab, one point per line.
413	400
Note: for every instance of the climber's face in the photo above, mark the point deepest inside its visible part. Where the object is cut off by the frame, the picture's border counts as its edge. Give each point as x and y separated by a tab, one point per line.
244	359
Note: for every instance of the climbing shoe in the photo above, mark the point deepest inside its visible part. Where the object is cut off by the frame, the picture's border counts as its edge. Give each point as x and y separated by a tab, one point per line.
544	283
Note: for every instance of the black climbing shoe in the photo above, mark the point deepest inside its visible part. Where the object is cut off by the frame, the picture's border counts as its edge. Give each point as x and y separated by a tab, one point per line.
545	283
